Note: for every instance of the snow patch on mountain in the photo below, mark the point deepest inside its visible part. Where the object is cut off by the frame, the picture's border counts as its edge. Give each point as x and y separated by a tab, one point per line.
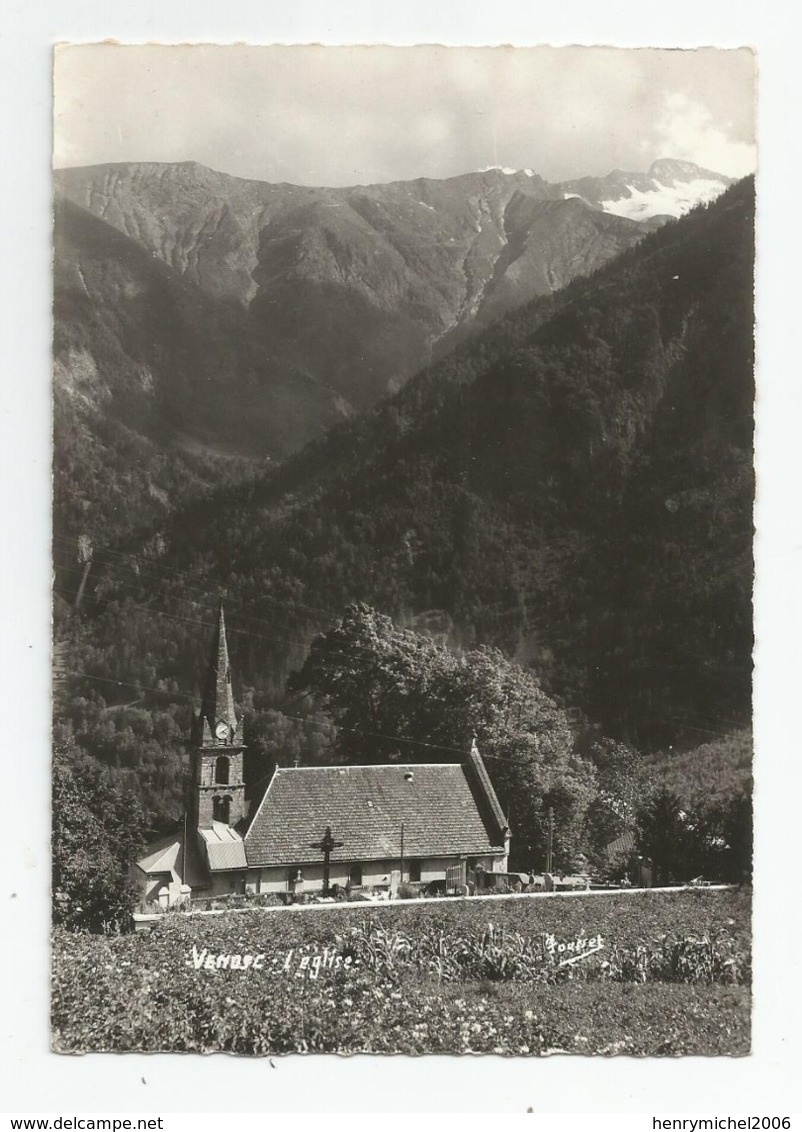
507	170
664	200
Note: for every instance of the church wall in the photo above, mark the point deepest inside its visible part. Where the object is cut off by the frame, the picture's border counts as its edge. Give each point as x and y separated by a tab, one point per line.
222	883
434	868
275	879
206	801
375	874
208	759
378	874
152	886
148	886
207	789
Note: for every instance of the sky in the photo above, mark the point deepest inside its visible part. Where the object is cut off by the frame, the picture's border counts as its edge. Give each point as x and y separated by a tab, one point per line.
360	115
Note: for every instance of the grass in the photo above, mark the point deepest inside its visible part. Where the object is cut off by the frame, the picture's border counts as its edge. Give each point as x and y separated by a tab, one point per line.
671	976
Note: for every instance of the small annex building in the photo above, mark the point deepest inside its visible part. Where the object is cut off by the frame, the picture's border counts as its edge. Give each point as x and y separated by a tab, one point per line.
372	827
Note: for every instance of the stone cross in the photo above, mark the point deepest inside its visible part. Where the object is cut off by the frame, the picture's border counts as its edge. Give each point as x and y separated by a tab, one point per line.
326	845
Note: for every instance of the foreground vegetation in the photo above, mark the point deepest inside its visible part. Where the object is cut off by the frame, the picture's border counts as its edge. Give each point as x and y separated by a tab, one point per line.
645	973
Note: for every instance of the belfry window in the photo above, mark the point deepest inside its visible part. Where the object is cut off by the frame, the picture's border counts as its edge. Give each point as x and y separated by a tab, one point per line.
221	809
221	771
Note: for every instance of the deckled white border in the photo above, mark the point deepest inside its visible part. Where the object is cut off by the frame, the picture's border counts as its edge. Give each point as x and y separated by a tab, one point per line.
38	1081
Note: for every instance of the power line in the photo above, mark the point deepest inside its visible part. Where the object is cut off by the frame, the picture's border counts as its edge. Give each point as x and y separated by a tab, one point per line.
353	654
712	718
344	652
249	618
706	730
203	624
150	564
291	606
304	720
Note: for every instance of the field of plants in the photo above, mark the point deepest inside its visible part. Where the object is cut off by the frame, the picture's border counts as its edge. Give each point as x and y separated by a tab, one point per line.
633	973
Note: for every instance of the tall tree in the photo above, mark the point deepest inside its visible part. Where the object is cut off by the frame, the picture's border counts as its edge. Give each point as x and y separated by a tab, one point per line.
399	695
664	836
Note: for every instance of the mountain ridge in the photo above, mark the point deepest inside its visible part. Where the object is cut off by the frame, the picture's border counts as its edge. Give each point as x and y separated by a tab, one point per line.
573	485
395	271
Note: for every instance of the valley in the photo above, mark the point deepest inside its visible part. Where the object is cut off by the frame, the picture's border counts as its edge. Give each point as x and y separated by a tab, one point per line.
572	485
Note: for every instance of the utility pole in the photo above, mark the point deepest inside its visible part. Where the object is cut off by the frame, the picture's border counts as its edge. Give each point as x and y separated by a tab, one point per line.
549	838
402	852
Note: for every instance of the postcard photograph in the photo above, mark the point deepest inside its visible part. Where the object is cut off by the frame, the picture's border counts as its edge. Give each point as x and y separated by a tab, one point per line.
403	484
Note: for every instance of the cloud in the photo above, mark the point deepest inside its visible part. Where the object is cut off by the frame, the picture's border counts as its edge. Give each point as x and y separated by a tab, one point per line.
346	115
686	130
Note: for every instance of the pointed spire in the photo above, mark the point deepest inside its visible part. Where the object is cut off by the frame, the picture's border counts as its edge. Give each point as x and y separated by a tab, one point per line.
217	706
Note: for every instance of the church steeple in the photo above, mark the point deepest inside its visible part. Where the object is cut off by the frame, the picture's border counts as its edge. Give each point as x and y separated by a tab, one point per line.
218	788
216	724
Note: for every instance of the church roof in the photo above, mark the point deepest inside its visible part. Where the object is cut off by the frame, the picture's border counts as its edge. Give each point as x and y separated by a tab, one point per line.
446	810
624	843
162	856
224	848
166	856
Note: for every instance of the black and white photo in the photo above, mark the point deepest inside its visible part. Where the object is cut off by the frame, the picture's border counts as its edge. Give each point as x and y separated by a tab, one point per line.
403	486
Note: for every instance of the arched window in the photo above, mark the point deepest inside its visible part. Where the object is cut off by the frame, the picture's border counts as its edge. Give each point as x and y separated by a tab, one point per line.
221	809
221	771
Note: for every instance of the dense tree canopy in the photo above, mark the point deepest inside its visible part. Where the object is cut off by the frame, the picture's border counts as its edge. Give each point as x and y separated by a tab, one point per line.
97	833
712	840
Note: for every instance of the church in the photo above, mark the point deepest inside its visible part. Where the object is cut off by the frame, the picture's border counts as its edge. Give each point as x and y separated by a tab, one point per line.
372	828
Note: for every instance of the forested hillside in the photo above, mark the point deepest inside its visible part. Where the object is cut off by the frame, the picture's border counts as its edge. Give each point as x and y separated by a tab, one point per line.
573	486
160	389
711	773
